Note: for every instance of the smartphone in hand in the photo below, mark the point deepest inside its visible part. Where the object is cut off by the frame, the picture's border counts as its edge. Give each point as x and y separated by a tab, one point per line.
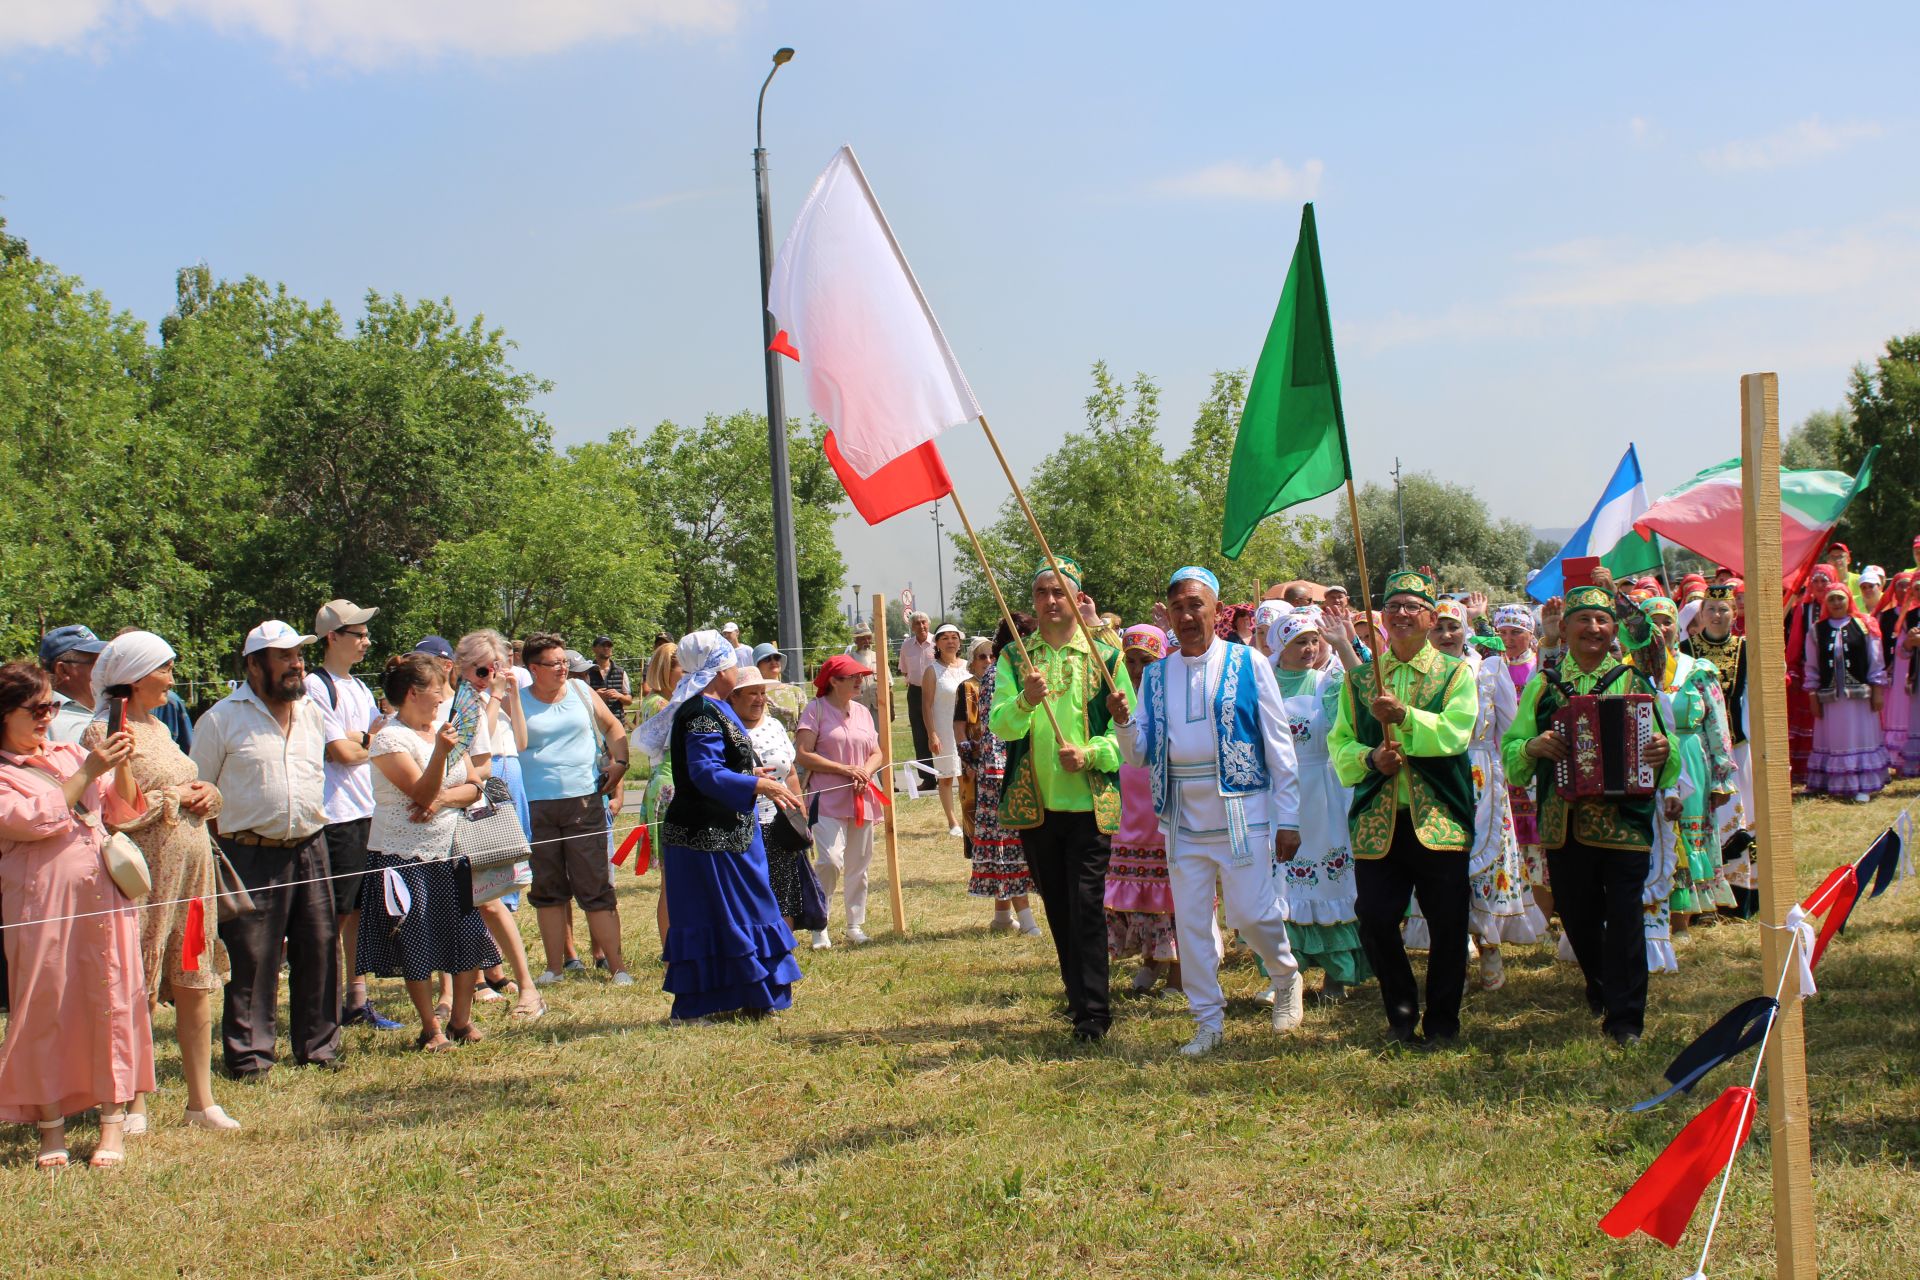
116	715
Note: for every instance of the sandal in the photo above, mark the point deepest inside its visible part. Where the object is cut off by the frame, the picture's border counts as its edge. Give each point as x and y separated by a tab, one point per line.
432	1042
57	1158
465	1035
529	1012
501	986
109	1159
443	1013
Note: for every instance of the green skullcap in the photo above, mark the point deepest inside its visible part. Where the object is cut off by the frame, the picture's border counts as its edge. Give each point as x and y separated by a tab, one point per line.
1069	567
1582	598
1409	582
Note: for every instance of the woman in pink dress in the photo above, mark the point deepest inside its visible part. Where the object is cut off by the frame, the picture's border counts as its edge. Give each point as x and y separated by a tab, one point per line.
79	1036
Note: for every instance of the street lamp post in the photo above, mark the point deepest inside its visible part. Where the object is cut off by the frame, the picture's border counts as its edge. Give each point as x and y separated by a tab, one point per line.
785	567
939	559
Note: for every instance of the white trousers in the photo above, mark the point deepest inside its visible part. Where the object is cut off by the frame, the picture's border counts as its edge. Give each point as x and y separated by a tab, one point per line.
844	849
1253	908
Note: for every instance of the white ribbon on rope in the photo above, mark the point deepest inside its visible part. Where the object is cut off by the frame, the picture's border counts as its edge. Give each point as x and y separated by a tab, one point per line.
1802	946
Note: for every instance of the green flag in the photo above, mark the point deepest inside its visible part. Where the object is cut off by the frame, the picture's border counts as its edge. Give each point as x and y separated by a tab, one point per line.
1292	444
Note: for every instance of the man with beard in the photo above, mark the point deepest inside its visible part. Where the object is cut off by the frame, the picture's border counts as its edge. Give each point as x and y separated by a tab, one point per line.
1599	851
264	747
1215	740
1062	792
1402	749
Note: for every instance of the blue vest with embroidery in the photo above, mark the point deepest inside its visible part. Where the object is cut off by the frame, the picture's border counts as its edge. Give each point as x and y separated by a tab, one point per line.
1240	753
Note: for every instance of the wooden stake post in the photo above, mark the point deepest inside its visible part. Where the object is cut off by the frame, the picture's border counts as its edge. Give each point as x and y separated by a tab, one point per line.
1795	1255
890	837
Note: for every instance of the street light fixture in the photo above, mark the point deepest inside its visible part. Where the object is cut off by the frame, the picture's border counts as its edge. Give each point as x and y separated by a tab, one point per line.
786	572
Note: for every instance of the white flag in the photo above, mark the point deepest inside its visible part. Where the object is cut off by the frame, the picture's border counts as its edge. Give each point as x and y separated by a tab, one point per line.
877	368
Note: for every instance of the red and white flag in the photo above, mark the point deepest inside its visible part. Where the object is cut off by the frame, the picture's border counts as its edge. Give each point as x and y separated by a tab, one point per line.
876	366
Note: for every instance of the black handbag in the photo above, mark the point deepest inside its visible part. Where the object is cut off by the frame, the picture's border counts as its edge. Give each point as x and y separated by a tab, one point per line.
813	899
789	833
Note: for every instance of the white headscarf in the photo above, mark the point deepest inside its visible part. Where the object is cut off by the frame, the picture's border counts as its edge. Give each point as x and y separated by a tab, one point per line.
1688	613
1266	612
1289	627
703	655
133	656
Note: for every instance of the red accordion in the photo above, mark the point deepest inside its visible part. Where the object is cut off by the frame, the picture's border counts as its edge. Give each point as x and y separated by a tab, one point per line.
1608	735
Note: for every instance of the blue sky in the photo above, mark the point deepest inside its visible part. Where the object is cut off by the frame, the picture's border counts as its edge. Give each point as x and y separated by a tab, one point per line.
1546	233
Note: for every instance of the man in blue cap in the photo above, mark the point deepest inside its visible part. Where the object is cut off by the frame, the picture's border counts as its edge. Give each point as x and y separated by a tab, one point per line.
67	654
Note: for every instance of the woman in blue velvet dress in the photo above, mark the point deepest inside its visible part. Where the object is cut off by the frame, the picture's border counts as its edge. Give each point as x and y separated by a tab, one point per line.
727	948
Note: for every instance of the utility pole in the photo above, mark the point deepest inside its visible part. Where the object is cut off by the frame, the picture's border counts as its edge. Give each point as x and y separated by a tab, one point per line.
786	573
1400	509
939	560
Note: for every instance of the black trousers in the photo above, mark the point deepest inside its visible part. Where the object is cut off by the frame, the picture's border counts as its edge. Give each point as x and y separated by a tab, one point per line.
917	724
1386	885
1598	893
295	918
1067	857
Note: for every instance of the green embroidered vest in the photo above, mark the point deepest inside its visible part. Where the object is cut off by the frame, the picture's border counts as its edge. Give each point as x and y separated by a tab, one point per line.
1623	823
1441	786
1022	808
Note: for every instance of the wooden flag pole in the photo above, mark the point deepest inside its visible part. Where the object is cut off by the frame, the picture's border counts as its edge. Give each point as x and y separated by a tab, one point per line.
1793	1228
1366	602
1106	676
986	569
890	838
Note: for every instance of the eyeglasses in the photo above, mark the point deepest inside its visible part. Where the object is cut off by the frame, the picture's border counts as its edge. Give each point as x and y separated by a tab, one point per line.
1403	609
551	665
41	710
361	634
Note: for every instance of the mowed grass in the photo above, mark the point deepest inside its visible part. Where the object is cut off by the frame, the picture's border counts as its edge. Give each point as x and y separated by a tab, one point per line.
922	1112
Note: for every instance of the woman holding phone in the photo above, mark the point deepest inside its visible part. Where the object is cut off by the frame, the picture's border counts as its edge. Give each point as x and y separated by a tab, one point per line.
180	947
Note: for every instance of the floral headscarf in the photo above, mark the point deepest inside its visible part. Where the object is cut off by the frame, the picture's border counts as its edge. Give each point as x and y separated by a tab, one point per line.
703	655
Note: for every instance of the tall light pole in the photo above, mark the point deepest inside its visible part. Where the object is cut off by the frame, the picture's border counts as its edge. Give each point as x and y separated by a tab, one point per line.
939	559
1400	509
786	571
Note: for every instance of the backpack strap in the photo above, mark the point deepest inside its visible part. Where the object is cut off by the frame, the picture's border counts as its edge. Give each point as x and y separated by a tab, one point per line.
333	694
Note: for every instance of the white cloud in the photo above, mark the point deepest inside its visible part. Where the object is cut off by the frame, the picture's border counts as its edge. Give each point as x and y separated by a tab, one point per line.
373	32
1796	144
1233	180
1595	273
1641	128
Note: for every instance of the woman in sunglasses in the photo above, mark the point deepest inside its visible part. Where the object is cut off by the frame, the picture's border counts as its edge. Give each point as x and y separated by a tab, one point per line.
79	1035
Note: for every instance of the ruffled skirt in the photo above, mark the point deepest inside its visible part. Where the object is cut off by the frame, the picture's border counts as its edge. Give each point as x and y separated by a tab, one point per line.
1849	750
727	948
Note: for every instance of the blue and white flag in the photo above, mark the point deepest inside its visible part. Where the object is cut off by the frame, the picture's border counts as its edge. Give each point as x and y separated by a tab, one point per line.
1607	533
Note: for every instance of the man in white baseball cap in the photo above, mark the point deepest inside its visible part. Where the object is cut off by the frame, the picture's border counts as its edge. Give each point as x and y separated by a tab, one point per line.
742	653
264	747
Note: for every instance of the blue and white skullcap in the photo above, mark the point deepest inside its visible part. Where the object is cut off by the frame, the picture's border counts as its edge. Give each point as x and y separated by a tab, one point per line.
1195	573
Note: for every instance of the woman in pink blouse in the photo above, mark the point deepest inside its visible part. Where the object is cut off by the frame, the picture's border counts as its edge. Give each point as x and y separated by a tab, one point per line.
79	1037
839	747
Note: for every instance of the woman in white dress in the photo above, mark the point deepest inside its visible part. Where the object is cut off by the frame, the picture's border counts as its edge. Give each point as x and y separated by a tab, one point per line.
1501	908
939	688
1317	887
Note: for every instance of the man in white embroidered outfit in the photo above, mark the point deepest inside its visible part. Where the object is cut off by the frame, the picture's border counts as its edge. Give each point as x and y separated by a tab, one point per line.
1213	736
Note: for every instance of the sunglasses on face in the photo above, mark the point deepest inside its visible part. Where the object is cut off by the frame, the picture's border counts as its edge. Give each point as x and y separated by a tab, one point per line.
41	710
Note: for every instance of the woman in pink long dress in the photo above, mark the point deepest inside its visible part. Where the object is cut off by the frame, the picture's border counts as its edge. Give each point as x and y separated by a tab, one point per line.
79	1035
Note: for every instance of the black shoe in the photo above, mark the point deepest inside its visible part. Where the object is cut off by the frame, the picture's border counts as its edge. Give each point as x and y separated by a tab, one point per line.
322	1064
1439	1043
1402	1035
252	1075
1625	1037
1089	1032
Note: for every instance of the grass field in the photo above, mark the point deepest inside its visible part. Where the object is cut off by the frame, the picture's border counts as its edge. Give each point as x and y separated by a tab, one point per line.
922	1112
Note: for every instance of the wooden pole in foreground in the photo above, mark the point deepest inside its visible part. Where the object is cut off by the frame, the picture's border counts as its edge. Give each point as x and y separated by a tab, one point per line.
1019	641
1795	1248
1379	644
889	836
1106	676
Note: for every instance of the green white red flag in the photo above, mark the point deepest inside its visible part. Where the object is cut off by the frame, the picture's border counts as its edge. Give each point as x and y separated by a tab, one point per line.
1705	515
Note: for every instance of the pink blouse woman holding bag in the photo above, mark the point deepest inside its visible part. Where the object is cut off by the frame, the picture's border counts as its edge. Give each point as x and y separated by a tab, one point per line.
79	1036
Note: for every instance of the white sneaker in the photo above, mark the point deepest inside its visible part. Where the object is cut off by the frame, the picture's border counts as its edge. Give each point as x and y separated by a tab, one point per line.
856	935
820	940
623	979
1205	1041
1862	798
1289	1001
955	831
1001	924
548	977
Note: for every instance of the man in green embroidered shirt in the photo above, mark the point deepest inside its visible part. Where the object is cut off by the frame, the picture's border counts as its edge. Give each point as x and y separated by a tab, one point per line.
1598	851
1062	793
1403	750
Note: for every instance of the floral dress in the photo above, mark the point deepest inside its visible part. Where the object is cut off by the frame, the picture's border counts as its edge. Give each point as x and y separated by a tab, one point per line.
999	859
1317	888
773	749
1699	718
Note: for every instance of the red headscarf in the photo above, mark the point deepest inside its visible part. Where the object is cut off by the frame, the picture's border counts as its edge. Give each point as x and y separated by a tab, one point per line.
833	668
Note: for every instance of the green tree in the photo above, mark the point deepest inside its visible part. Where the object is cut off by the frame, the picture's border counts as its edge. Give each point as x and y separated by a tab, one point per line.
1448	526
1885	400
711	509
1819	442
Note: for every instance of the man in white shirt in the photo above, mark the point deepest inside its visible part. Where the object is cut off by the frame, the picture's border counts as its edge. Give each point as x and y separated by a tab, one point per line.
1212	732
916	655
264	747
68	654
743	653
351	717
861	651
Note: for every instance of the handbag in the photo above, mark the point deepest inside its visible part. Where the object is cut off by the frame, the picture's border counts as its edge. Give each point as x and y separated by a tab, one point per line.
475	887
127	866
789	833
488	834
813	899
231	900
